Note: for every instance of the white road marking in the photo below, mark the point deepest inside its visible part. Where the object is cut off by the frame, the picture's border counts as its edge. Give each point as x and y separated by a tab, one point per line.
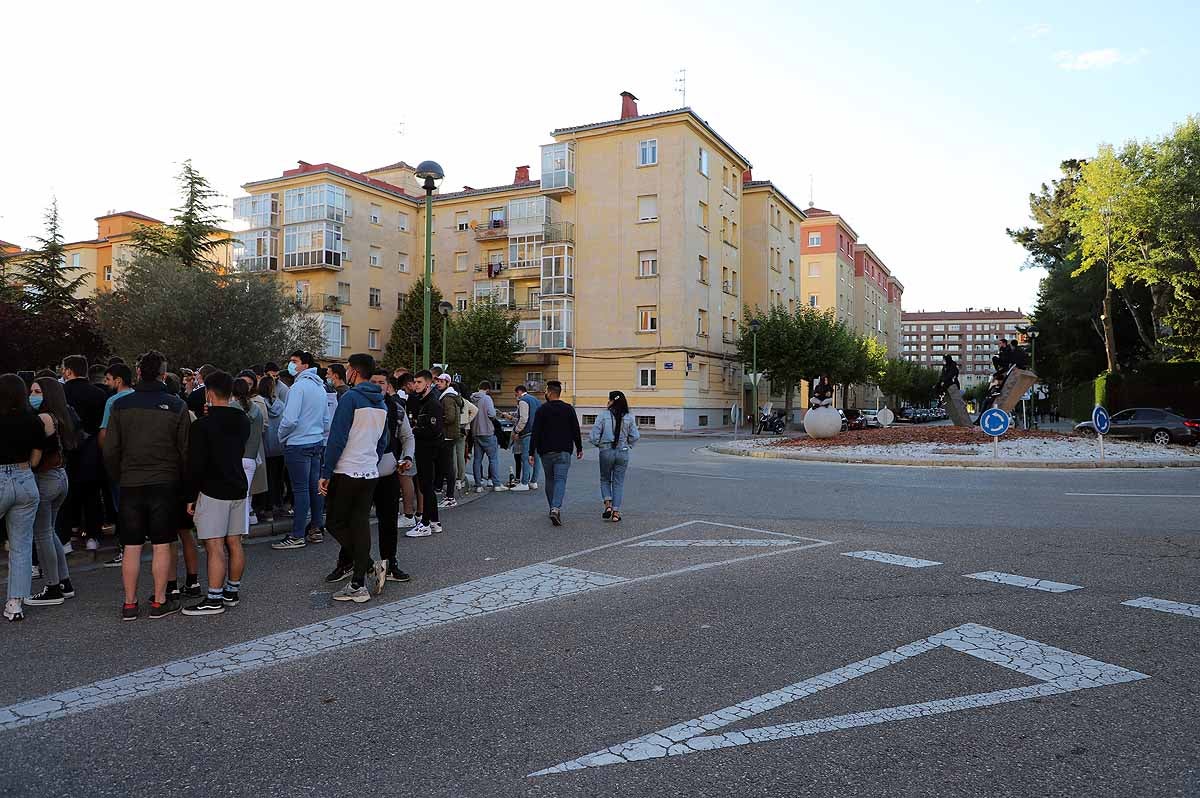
693	474
891	559
1059	671
1141	495
1162	605
716	543
1024	581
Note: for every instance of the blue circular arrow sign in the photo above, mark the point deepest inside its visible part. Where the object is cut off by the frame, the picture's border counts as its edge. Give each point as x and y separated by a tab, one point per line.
1100	420
994	422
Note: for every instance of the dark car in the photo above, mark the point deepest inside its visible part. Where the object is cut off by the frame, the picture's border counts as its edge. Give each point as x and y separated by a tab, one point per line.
1162	426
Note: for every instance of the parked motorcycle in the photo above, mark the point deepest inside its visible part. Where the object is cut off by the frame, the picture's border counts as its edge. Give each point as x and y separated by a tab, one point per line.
772	422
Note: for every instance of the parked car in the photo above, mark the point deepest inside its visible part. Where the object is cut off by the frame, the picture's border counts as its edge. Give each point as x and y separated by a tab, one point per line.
870	419
1162	426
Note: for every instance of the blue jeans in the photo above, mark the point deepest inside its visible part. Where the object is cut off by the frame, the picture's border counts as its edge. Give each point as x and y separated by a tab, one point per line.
52	491
304	469
18	507
557	465
529	473
486	444
613	464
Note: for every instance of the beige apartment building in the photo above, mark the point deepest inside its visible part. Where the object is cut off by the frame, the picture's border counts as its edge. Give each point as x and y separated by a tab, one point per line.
630	260
969	336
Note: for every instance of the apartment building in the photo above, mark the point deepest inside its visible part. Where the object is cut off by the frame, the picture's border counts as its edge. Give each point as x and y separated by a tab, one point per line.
827	264
969	336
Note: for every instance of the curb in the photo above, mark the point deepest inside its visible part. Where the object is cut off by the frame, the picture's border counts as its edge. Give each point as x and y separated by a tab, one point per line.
960	462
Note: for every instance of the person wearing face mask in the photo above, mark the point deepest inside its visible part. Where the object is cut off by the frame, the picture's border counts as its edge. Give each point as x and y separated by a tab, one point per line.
22	437
196	400
49	401
302	432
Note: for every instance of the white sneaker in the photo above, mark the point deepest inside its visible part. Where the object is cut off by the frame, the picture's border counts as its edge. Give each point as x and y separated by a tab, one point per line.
447	503
68	548
435	527
479	489
377	577
92	544
253	519
519	486
351	593
418	531
533	486
407	521
500	488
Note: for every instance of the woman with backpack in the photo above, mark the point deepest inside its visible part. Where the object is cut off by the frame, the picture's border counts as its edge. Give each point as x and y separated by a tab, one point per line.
49	401
614	434
22	437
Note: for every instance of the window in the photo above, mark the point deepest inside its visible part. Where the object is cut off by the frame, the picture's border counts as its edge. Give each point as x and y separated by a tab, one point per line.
733	235
703	276
375	257
460	261
74	260
791	229
702	219
702	165
647	376
256	250
814	239
460	301
648	152
647	208
461	221
589	418
345	335
402	224
498	291
725	177
812	301
108	274
400	299
557	323
558	269
702	376
496	218
376	216
344	293
648	263
702	323
345	249
403	262
648	319
375	297
313	203
524	250
529	333
644	421
791	269
703	421
373	339
939	328
312	244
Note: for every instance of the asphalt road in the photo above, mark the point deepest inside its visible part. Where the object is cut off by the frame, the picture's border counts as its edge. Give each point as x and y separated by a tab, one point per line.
519	648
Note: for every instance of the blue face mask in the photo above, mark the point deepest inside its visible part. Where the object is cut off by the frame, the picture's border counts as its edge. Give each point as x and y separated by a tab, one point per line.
35	401
292	368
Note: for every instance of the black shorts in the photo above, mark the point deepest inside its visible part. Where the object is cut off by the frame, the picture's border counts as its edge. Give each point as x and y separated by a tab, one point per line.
148	512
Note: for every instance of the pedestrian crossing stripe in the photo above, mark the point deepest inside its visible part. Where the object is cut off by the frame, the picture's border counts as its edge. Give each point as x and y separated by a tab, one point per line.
1057	670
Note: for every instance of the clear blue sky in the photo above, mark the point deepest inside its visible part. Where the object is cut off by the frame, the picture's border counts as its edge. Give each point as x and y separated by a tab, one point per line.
925	124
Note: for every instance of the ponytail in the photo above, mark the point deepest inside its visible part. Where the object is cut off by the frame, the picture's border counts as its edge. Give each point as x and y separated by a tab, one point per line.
619	408
241	392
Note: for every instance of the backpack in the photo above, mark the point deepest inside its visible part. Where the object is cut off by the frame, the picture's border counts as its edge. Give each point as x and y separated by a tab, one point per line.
466	412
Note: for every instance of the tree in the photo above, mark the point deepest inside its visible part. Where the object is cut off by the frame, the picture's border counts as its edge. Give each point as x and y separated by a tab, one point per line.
200	316
1176	261
405	341
50	284
196	236
782	349
896	379
483	341
861	364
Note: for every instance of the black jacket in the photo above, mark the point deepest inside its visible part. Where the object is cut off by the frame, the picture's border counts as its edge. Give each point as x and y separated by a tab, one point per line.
215	454
146	440
196	401
427	418
555	428
88	401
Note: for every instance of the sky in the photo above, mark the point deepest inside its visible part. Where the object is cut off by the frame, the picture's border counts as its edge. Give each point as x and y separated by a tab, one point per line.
926	125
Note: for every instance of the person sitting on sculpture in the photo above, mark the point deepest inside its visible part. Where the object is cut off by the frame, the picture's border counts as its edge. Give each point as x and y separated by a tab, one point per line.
948	377
822	394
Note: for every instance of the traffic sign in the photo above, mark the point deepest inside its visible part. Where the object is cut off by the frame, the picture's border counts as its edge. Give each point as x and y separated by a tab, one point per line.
1100	420
995	422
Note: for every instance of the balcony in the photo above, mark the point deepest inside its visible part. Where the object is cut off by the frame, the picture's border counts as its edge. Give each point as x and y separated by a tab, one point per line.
320	303
558	168
558	233
307	261
492	230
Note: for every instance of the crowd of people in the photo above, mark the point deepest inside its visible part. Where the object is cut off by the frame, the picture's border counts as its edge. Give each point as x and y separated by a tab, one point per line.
193	459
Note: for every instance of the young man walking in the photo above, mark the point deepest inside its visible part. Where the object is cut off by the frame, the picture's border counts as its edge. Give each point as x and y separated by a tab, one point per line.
85	473
555	431
357	440
527	407
425	414
396	460
119	379
483	430
452	408
145	449
217	493
302	431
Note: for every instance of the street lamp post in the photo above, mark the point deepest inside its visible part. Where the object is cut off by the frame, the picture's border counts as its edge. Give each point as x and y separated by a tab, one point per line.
430	174
444	308
754	325
1032	332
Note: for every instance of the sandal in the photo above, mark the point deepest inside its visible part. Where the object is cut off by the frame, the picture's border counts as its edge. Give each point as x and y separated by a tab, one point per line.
616	516
608	514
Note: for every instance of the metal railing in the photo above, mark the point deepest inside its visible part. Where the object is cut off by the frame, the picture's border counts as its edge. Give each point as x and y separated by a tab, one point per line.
487	231
320	303
558	232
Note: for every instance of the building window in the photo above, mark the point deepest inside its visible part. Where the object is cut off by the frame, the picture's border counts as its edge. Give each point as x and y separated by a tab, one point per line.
648	152
589	418
498	291
402	224
400	299
702	323
375	257
703	421
557	323
345	336
257	210
312	244
703	162
939	327
403	263
644	421
558	165
108	274
324	201
648	263
558	269
814	270
376	216
345	249
460	301
375	297
496	218
74	260
703	217
647	376
373	339
524	250
791	269
812	301
256	250
814	239
460	261
791	229
344	293
529	333
703	276
462	221
648	319
647	206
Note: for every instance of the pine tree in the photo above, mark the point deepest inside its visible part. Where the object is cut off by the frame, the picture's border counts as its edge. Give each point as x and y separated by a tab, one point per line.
196	235
50	284
405	340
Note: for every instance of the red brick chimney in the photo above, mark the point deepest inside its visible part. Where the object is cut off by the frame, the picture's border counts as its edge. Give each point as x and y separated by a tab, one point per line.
747	177
628	105
522	175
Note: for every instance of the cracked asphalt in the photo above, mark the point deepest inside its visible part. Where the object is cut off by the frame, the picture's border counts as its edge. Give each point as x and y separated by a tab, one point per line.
519	648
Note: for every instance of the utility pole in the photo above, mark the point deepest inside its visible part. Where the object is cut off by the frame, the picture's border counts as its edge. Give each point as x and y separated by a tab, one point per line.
1110	334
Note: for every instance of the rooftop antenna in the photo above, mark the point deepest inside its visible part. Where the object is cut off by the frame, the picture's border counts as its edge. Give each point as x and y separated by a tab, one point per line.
810	190
681	85
400	128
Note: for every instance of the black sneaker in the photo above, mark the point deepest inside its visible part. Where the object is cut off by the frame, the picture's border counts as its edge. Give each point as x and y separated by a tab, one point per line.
394	574
47	596
68	590
192	590
339	573
206	606
129	613
556	517
168	607
231	597
173	589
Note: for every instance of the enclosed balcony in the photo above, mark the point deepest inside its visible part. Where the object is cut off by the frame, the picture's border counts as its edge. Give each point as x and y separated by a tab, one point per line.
559	232
315	245
558	270
256	250
319	303
558	168
257	210
558	324
498	292
323	201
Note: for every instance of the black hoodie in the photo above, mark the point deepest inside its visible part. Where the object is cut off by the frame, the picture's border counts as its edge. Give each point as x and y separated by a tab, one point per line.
215	449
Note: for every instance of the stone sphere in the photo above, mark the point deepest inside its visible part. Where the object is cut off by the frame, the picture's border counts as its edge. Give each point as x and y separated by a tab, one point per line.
822	422
886	417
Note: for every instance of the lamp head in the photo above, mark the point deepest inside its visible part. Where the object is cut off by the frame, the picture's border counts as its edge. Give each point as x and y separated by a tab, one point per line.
754	325
430	175
445	307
